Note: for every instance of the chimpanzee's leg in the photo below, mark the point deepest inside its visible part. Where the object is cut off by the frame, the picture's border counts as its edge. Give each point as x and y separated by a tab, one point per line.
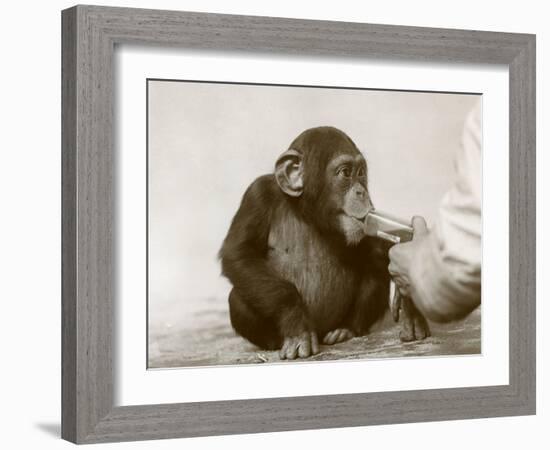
250	325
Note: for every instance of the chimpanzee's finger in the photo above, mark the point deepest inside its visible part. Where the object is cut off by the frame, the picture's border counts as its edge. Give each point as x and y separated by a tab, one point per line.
314	343
395	301
421	327
282	352
329	338
346	335
292	349
337	334
304	345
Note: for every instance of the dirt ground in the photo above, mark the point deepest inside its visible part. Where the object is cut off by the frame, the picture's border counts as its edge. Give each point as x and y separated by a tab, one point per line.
208	339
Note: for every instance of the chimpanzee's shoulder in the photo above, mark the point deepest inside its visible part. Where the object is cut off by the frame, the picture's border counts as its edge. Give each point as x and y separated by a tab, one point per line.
264	189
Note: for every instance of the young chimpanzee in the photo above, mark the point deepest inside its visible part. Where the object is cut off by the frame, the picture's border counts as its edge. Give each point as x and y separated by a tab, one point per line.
301	266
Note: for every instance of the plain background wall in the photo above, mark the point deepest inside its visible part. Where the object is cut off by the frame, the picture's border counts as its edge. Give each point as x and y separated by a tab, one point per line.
30	225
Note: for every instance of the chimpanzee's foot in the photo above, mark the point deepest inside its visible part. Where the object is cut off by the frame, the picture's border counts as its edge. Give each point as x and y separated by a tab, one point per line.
338	335
415	326
301	346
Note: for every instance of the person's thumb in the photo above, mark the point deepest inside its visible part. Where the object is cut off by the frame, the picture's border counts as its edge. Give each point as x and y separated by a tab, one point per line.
419	226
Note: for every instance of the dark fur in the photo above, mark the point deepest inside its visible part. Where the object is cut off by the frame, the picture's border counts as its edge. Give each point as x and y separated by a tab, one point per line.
289	264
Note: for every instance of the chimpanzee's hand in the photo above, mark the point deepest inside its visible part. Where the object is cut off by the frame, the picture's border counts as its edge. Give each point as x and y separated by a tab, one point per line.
302	346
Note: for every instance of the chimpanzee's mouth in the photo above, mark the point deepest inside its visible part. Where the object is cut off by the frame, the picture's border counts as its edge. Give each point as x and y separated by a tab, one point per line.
355	221
354	228
359	219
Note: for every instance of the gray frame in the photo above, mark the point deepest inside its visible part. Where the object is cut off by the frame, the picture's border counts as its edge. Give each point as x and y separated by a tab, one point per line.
89	36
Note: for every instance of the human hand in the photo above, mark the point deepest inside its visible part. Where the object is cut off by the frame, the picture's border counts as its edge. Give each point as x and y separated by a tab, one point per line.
401	256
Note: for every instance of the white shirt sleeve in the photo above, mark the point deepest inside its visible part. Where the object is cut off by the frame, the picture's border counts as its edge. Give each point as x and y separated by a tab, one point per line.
445	275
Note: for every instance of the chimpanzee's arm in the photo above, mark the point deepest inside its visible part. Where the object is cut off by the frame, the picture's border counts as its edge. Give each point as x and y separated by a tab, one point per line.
244	261
372	298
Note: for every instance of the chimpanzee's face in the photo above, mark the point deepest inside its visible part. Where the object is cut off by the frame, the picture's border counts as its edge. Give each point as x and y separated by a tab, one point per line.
346	177
327	174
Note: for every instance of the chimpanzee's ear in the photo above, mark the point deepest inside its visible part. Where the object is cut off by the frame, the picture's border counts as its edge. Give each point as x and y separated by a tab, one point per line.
289	173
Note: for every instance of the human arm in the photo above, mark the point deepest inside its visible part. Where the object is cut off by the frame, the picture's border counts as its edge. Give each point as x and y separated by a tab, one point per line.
441	268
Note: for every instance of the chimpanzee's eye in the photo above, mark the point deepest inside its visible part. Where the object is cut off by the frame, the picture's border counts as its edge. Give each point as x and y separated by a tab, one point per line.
345	172
361	172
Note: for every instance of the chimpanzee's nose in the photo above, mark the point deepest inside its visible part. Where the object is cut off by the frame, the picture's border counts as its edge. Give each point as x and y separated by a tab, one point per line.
359	191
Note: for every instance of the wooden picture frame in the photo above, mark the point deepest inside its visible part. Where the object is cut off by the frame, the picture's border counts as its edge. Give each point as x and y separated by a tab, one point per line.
89	37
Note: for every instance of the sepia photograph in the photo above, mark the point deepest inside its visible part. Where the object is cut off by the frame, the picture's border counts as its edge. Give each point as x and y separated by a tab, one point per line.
291	224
